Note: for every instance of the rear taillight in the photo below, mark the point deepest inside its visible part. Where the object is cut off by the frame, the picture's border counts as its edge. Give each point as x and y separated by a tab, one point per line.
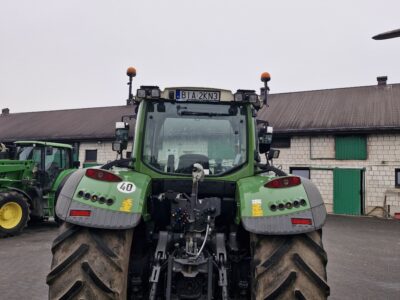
301	221
283	182
102	175
80	213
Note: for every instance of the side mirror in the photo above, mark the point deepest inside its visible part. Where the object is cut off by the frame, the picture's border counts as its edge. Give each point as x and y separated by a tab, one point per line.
76	164
121	137
265	138
273	153
117	146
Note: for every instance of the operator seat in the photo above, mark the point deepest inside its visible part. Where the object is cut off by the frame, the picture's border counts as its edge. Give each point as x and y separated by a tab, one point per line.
186	162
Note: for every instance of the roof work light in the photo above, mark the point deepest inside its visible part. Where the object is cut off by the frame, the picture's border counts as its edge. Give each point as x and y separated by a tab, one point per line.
148	92
249	96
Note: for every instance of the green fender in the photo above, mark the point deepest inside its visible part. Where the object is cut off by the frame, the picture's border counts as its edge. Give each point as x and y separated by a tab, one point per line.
102	204
265	210
56	189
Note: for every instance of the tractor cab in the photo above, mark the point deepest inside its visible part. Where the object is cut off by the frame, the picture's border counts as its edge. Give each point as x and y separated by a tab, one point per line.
49	159
178	135
183	126
179	127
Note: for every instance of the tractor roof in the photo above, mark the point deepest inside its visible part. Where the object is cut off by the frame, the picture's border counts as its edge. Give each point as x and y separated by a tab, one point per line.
198	94
56	145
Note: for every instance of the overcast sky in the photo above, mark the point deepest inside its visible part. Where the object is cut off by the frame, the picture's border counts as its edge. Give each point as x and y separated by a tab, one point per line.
71	54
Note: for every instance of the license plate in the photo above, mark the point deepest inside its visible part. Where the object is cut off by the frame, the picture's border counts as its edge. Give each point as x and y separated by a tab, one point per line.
186	95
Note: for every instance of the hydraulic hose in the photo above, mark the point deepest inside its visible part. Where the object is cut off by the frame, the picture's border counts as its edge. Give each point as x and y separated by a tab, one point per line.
205	238
121	163
269	168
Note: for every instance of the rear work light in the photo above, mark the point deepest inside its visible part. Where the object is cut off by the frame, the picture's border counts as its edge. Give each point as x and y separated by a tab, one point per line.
80	213
148	92
283	182
246	96
102	175
301	221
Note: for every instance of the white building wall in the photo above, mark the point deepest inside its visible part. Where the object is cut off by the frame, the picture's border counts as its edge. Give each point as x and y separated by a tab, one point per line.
318	153
104	151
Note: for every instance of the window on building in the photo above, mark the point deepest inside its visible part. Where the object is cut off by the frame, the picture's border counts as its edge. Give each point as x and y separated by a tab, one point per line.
351	147
300	171
397	178
128	154
91	155
280	142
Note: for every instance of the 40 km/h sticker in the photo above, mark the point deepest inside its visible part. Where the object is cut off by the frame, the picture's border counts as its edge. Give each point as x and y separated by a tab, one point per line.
126	187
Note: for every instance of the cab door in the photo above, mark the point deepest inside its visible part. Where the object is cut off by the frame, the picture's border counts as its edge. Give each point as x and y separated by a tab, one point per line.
56	160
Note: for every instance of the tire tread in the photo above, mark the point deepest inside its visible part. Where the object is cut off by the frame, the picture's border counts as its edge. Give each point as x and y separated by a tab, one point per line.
289	267
277	291
63	266
73	291
89	263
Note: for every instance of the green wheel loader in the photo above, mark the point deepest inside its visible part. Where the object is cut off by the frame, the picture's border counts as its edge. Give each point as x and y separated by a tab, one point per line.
31	176
194	214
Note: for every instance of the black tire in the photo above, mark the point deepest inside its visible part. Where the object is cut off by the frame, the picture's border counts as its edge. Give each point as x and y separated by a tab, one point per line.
89	263
57	220
13	199
289	267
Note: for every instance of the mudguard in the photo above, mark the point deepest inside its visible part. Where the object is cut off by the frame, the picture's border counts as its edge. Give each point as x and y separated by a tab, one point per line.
101	204
256	201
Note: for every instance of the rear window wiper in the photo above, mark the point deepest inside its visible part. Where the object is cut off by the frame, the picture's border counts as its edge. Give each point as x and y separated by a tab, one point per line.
206	114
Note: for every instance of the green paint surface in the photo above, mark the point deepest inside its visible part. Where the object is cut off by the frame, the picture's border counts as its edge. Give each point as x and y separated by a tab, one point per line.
109	190
51	201
351	147
347	191
252	188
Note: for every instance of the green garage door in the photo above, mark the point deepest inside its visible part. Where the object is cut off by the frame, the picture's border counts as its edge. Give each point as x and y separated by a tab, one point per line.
347	191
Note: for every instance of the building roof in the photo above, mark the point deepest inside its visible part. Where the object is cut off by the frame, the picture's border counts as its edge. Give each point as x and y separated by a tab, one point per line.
341	110
355	109
62	125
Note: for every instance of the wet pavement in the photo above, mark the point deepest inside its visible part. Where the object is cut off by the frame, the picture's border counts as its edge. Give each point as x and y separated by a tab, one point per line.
363	253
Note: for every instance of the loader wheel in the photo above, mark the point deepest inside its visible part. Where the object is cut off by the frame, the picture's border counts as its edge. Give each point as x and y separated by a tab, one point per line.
289	267
89	263
14	213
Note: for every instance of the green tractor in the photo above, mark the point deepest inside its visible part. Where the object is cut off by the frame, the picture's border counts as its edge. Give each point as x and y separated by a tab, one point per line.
194	214
31	176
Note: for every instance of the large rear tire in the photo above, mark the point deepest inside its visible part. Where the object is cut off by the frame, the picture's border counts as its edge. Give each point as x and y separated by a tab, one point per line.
89	263
14	213
289	267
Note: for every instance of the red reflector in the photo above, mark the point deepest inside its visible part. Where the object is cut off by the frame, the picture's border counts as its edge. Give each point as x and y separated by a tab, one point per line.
301	221
102	175
79	213
283	182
